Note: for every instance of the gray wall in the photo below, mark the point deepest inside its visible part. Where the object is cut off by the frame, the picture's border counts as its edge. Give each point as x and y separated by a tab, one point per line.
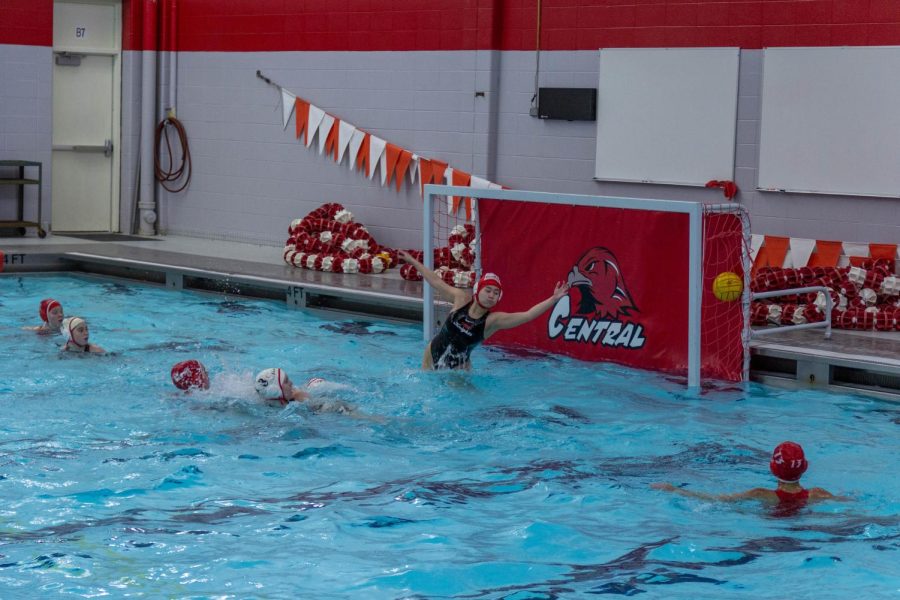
251	178
559	156
26	112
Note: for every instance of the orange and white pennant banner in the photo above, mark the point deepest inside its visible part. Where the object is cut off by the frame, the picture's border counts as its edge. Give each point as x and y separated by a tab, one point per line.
324	130
346	131
316	115
356	141
287	106
376	149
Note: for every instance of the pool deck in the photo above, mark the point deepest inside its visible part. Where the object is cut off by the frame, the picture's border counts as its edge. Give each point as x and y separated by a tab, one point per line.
851	361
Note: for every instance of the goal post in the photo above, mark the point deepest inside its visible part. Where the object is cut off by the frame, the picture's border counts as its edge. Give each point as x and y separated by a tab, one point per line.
662	296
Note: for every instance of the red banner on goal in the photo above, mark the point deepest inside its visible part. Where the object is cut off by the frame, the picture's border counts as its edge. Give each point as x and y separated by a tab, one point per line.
629	272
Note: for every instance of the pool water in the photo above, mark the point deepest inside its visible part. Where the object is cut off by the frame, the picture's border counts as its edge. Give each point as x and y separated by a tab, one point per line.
527	478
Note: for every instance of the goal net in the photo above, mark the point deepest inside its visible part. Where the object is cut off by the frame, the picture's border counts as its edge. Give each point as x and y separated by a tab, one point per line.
654	284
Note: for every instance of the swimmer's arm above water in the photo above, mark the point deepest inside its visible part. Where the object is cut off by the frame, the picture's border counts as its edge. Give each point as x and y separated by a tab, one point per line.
458	296
500	320
754	494
821	494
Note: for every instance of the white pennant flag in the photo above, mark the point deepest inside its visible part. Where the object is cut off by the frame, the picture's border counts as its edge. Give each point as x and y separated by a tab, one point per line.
376	149
383	164
346	132
316	115
448	173
801	250
756	241
324	130
495	186
287	106
479	183
851	249
413	168
355	144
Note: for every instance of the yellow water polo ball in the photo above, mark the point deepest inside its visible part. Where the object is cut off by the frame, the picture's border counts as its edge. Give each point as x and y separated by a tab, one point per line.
727	286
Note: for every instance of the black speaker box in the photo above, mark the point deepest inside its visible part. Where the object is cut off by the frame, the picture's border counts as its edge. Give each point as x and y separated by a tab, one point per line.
568	104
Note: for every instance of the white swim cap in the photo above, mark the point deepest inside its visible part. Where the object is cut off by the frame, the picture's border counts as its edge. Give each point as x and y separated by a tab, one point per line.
68	326
270	385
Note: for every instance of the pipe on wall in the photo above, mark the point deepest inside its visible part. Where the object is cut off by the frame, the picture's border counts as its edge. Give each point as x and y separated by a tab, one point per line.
147	192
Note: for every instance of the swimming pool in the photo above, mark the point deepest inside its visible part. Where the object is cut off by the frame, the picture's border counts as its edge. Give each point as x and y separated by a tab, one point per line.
528	478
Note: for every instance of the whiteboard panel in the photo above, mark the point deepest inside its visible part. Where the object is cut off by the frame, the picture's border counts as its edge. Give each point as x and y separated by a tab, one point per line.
831	120
667	115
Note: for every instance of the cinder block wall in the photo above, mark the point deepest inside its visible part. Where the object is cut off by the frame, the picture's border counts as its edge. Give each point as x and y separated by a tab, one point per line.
410	73
26	106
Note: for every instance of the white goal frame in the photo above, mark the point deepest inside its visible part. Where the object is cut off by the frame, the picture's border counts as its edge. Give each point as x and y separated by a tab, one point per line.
694	210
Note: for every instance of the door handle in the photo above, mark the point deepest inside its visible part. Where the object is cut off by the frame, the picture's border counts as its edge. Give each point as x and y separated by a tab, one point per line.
106	148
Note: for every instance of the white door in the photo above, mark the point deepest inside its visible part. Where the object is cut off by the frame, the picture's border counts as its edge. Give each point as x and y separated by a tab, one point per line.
86	97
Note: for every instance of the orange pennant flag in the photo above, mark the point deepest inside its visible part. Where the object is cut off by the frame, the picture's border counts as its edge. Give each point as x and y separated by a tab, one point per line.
362	157
826	254
424	174
459	178
301	117
331	142
391	154
403	166
438	169
468	209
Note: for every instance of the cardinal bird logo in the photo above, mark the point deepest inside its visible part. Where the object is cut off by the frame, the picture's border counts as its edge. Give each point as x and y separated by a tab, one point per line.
598	287
599	308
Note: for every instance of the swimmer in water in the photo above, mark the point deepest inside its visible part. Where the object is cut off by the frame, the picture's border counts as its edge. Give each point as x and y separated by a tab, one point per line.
75	330
788	464
275	385
472	320
190	375
51	312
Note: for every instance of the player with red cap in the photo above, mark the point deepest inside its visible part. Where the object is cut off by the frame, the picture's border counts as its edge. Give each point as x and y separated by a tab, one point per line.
190	375
51	313
788	464
472	318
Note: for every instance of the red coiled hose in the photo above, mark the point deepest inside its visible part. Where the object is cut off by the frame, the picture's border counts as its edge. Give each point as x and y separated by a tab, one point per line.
170	174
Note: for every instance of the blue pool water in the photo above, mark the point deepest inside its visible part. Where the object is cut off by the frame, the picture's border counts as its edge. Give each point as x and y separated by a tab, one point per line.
527	478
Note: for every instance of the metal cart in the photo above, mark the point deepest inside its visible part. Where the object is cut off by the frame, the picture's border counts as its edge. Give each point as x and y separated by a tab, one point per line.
21	181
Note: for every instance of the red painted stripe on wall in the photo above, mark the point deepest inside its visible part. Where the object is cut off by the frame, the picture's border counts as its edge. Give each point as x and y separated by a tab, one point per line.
398	25
26	22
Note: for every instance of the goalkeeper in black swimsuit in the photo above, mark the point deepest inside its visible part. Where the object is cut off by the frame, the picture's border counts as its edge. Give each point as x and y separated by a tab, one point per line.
471	319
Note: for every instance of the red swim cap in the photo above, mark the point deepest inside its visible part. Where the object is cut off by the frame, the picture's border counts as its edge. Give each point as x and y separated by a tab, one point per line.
486	280
788	463
47	304
190	374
